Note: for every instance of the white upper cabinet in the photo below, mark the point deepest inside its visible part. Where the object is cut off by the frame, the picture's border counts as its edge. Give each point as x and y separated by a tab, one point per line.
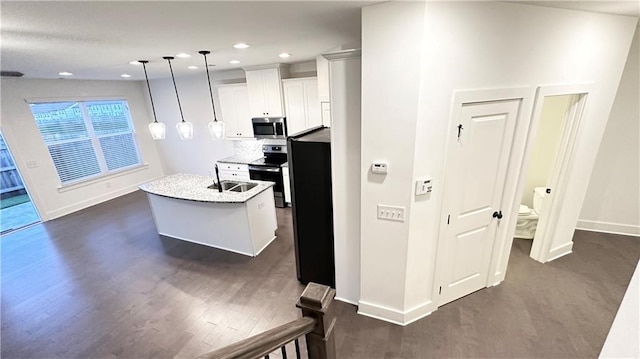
234	108
302	104
265	91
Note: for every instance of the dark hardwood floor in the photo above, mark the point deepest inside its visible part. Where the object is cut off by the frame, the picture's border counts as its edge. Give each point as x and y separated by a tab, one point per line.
101	283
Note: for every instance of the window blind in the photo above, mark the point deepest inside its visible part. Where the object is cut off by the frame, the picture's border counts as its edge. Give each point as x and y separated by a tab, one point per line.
87	139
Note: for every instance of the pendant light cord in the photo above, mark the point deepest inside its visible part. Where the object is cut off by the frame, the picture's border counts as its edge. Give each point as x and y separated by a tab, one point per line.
206	67
169	58
144	67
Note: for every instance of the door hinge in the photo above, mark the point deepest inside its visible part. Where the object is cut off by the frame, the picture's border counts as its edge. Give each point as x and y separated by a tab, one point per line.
448	218
440	291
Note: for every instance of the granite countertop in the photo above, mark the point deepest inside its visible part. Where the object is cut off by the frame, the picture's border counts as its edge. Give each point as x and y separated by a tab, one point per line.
194	188
241	159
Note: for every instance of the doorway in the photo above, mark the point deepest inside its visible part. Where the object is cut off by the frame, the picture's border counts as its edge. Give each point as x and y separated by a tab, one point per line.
546	151
16	208
488	132
483	260
555	126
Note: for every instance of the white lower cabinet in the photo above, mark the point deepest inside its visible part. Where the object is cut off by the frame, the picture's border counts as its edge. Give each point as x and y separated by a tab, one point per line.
287	184
233	171
302	107
234	108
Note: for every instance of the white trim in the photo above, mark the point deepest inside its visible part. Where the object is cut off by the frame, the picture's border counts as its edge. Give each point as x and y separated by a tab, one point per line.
265	246
342	54
418	312
547	225
395	316
608	227
379	312
93	201
35	100
561	251
504	237
278	66
347	301
94	180
300	79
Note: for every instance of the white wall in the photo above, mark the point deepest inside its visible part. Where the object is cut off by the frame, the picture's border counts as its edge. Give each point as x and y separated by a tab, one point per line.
545	147
344	77
199	154
412	62
391	38
612	202
25	142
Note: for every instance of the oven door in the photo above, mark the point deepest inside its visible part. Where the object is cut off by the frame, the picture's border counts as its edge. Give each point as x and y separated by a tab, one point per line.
271	174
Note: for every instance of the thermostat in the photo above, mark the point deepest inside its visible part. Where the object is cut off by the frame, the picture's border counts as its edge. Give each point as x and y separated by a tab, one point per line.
379	168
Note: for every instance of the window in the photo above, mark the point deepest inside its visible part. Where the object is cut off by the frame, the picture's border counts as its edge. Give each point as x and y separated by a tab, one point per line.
87	139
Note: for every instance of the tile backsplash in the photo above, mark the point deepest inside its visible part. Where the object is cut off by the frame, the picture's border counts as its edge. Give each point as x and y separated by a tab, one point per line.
248	148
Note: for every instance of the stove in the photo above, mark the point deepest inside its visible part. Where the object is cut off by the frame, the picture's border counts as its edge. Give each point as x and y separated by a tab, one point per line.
269	168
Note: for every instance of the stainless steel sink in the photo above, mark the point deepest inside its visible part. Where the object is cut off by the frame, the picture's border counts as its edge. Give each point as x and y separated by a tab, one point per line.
234	186
243	187
226	185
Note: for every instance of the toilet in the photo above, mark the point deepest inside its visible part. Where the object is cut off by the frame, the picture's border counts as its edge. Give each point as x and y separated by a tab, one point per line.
528	217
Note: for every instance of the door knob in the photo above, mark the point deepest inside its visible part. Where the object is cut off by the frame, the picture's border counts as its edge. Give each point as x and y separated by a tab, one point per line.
497	214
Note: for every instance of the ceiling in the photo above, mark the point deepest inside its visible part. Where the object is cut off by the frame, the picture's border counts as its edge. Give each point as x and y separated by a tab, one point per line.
97	39
629	8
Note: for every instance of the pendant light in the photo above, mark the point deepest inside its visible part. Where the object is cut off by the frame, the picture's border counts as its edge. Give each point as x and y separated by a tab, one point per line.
216	128
156	128
185	129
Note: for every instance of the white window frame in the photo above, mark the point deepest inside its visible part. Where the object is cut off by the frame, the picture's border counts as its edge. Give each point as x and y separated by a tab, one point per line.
95	141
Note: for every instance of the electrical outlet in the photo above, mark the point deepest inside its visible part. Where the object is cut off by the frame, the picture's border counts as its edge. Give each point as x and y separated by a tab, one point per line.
392	213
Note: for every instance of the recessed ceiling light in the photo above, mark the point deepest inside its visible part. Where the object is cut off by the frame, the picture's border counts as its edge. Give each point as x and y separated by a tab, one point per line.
241	45
135	62
192	67
234	62
125	76
284	55
65	73
183	55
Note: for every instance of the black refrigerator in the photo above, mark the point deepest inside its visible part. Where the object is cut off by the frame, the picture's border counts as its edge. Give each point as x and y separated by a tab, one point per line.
309	156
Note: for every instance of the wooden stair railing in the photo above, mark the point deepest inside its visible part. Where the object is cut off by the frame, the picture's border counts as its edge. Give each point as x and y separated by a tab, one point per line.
316	324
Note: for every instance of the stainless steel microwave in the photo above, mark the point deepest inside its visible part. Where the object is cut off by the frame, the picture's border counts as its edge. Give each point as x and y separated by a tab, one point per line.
269	127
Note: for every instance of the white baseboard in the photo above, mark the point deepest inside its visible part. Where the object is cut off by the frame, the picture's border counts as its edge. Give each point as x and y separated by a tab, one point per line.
608	227
90	202
347	301
395	316
561	251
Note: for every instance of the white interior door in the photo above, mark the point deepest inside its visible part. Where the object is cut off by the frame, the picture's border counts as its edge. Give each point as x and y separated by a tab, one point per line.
477	163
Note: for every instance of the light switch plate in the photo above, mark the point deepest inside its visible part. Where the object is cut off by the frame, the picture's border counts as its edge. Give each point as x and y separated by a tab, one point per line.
392	213
423	186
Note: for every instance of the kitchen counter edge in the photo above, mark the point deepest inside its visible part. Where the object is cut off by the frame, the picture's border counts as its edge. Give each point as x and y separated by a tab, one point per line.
191	187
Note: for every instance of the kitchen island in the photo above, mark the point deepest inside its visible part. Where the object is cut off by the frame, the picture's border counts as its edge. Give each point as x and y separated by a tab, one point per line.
185	208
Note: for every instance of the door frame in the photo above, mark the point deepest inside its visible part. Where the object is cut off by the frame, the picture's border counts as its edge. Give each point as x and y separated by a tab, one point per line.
541	249
26	181
498	261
